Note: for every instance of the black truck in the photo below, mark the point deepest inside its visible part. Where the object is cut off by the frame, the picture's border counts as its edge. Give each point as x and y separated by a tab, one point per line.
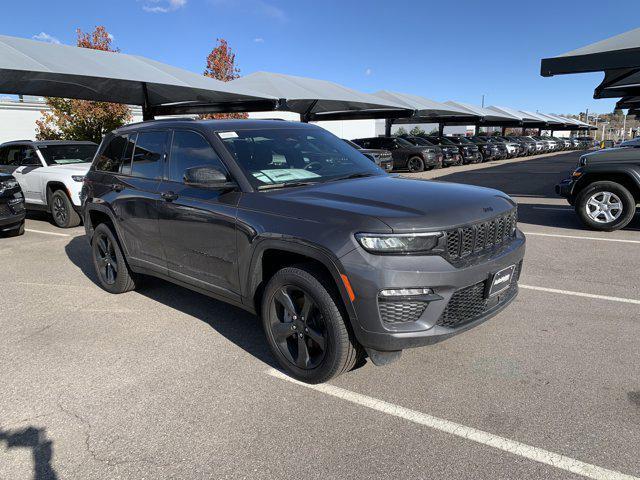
605	187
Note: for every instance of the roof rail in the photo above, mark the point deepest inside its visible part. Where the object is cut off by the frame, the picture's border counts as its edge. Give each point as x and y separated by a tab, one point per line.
160	120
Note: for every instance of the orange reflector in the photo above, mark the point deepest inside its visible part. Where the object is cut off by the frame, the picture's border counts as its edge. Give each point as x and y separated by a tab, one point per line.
347	285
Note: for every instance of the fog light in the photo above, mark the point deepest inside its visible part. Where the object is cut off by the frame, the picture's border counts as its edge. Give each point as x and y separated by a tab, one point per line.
405	292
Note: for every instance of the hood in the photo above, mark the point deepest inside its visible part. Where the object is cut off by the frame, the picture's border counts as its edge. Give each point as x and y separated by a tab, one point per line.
616	154
72	168
406	204
375	151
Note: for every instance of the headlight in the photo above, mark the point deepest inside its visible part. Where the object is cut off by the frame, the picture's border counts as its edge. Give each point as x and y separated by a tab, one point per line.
399	243
8	185
78	178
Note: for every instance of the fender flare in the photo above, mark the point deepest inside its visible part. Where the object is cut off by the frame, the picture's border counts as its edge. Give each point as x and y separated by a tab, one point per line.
253	277
89	227
630	173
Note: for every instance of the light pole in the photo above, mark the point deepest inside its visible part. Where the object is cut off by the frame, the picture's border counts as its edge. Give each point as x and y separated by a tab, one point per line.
483	100
604	124
624	127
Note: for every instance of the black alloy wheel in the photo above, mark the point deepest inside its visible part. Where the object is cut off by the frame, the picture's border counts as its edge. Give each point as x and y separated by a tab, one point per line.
110	266
298	327
415	164
107	262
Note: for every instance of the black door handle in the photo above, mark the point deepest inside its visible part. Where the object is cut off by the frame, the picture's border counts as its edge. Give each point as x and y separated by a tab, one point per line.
169	196
117	187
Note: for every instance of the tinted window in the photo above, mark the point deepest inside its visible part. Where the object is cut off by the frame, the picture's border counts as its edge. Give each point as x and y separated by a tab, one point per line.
60	154
130	141
148	153
110	158
190	150
30	157
11	155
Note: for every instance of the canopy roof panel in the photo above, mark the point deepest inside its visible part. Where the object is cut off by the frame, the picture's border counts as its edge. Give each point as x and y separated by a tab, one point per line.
619	83
426	110
36	68
527	119
631	101
487	117
620	51
319	99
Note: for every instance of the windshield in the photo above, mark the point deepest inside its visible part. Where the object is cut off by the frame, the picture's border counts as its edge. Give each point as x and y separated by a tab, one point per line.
421	141
67	154
477	140
280	157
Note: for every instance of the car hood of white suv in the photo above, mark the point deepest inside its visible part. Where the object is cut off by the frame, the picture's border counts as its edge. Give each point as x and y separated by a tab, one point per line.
71	168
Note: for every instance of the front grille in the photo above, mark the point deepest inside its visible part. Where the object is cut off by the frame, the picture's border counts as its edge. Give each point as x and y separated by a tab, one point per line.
401	311
469	303
17	207
480	237
4	210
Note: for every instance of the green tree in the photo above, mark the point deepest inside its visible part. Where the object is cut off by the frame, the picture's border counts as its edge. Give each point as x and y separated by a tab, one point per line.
71	119
401	131
417	131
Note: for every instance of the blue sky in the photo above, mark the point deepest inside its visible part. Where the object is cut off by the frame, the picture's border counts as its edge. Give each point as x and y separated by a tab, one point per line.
452	50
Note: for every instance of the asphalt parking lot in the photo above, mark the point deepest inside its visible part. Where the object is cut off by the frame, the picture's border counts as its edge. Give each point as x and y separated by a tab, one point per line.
167	383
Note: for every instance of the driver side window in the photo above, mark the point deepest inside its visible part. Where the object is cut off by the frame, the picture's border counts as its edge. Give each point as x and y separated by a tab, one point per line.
191	150
30	157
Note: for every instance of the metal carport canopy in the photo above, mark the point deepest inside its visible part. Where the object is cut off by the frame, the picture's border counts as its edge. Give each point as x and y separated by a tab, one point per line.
557	122
426	110
619	83
528	121
486	117
317	99
620	51
631	101
37	68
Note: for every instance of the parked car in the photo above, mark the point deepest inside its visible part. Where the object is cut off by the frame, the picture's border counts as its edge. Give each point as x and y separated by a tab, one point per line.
489	151
513	147
526	146
50	174
634	142
406	156
541	146
565	143
605	188
381	158
339	258
549	145
503	150
452	154
12	211
469	150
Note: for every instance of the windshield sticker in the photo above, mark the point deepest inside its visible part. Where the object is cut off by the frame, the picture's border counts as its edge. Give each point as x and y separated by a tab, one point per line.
284	175
224	135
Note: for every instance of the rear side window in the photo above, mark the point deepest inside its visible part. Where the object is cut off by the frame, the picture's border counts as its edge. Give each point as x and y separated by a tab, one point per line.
190	150
148	154
125	169
110	158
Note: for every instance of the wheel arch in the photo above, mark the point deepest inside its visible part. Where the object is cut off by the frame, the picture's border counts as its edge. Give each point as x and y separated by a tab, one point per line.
627	178
53	186
269	255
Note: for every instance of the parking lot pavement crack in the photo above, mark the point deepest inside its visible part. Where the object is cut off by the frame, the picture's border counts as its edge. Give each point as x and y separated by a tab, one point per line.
88	428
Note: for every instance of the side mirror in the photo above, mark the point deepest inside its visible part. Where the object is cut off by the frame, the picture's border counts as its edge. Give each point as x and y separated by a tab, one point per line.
207	177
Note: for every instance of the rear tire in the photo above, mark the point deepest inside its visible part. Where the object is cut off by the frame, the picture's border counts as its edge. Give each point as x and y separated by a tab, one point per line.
595	205
305	325
112	270
62	211
16	232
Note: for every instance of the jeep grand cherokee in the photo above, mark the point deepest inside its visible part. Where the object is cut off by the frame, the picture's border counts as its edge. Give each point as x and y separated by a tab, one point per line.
340	259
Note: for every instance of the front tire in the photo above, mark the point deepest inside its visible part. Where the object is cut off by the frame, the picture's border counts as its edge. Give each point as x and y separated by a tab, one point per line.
605	206
112	270
61	208
305	327
415	165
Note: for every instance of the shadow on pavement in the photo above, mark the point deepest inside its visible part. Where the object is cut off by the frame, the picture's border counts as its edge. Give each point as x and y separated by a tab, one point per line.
531	178
235	324
41	448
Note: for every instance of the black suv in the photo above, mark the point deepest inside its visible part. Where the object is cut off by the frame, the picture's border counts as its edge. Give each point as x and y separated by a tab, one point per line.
381	158
452	155
406	156
12	211
339	258
605	188
469	150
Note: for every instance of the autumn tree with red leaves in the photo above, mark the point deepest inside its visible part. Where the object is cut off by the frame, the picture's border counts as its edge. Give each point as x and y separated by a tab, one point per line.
70	119
221	65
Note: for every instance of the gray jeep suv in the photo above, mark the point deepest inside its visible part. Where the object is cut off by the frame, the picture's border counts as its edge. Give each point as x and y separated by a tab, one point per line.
285	220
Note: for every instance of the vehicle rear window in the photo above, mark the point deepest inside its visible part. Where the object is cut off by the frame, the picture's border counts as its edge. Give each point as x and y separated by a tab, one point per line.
148	154
110	157
191	150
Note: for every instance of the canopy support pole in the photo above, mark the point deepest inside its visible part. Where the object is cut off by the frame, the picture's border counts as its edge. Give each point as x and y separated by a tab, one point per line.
504	131
388	122
540	131
524	131
304	117
441	129
147	113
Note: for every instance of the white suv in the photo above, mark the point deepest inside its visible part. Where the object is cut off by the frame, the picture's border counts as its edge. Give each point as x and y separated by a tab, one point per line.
51	174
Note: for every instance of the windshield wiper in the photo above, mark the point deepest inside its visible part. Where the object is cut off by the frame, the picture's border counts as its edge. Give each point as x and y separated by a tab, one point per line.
284	184
355	175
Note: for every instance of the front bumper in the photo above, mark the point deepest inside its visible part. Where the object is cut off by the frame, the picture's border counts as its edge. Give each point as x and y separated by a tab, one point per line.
565	189
369	274
12	214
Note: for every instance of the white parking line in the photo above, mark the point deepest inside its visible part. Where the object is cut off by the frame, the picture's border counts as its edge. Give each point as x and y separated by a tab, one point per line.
469	433
555	235
47	233
581	294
